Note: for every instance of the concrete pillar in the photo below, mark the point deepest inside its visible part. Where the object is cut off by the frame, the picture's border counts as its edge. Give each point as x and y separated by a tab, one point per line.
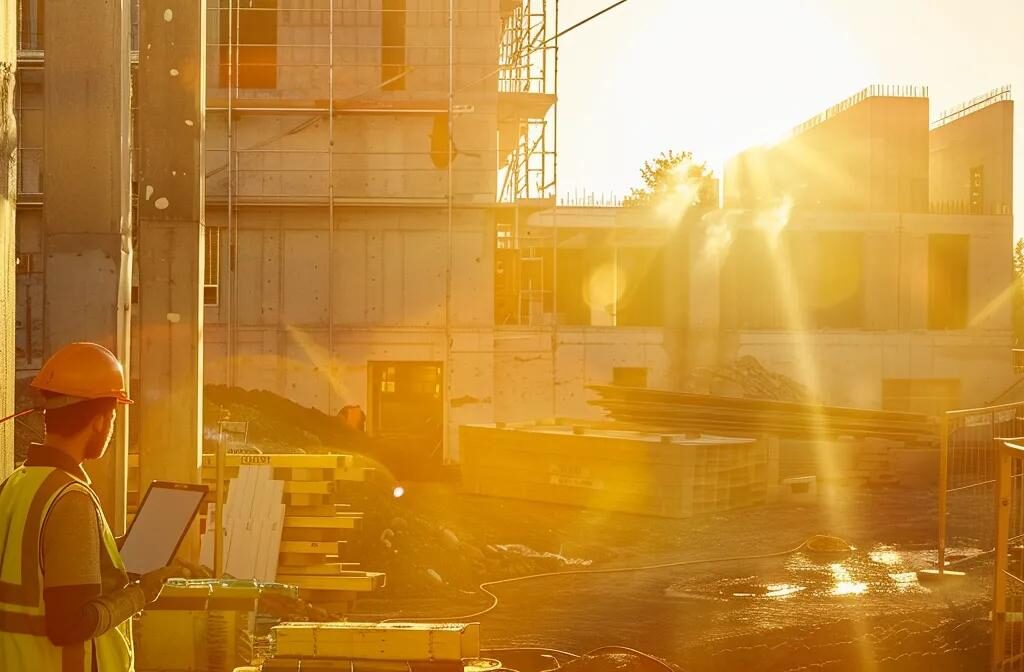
171	222
87	208
8	192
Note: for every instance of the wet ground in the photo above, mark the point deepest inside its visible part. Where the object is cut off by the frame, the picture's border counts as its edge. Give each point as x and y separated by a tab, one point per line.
800	611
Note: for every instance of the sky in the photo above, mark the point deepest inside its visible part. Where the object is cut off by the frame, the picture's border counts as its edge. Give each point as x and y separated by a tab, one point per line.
717	76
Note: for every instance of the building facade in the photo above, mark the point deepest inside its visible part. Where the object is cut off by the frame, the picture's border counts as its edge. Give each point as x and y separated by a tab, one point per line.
381	232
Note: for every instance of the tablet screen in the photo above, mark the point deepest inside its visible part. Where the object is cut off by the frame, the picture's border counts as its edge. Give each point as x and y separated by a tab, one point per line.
163	519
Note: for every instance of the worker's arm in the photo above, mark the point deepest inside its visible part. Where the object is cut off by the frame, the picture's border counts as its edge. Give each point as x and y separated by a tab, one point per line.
76	608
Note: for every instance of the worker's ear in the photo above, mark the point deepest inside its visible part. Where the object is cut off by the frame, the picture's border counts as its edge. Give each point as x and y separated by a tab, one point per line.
102	422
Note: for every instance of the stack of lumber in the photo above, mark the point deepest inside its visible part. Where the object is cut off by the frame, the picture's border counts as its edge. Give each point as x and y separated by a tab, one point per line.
348	646
663	411
315	526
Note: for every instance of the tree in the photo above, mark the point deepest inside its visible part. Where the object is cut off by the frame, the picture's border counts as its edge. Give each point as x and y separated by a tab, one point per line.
1018	293
674	176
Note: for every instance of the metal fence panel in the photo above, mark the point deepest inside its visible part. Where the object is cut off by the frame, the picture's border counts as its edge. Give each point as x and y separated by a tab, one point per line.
968	462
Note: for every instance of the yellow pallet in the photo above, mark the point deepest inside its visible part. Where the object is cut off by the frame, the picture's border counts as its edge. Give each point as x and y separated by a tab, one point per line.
409	642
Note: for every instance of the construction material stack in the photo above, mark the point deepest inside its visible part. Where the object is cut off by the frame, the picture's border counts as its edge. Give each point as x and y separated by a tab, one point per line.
316	525
359	647
204	625
672	475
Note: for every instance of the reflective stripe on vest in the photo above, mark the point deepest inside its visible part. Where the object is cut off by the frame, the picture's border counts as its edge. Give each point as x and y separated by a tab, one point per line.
26	498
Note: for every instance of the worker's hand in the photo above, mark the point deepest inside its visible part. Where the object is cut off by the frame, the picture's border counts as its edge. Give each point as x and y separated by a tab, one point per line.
153	582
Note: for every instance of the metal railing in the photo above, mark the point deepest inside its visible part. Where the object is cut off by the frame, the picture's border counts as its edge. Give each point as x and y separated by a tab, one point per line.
968	470
973	105
1008	583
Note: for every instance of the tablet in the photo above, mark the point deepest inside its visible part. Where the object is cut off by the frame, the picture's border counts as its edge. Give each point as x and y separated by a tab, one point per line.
164	516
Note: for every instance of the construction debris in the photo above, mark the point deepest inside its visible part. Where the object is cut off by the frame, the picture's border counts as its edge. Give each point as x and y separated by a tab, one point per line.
747	377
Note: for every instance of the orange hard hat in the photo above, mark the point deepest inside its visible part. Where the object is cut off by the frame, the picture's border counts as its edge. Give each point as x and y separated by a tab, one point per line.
81	371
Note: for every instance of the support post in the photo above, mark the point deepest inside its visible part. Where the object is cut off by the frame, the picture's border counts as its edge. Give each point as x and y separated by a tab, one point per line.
1003	506
8	194
172	96
943	489
87	210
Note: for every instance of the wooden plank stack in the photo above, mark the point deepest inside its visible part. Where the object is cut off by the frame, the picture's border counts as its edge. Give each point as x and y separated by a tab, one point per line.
664	411
316	523
315	526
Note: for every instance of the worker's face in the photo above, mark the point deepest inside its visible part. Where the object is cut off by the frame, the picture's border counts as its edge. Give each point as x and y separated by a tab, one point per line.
103	431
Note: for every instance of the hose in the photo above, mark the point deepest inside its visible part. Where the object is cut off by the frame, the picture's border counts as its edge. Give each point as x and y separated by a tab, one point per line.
484	587
546	652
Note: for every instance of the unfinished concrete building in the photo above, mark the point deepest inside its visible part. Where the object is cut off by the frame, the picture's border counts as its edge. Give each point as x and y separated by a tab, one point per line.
363	159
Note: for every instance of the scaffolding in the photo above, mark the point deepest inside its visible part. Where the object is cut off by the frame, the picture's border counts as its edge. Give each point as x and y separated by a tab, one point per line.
525	261
334	107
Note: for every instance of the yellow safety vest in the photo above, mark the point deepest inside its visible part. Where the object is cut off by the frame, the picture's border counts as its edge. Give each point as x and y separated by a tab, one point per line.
25	501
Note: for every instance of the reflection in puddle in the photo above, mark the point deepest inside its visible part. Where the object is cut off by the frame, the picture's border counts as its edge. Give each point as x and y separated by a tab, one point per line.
885	556
844	583
782	590
905	581
773	590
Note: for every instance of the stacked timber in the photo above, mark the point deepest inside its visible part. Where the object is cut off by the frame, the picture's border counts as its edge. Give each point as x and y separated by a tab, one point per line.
663	411
316	525
373	646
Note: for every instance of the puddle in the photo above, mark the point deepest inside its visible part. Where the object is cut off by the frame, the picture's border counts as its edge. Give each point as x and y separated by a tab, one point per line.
866	578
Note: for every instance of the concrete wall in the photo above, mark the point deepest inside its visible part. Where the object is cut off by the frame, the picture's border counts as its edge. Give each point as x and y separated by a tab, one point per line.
531	380
303	53
389	271
982	139
847	365
869	157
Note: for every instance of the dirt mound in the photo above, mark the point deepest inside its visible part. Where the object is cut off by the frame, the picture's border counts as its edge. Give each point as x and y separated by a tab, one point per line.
277	424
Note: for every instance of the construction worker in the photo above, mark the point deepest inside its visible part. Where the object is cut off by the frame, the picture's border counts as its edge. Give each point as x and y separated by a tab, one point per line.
65	600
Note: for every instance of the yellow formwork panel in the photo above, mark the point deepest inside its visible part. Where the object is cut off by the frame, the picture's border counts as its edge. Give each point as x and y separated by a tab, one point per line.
349	582
346	522
410	642
287	461
298	488
325	569
311	547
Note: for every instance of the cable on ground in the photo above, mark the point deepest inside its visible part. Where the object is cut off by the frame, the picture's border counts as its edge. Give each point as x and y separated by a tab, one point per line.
484	587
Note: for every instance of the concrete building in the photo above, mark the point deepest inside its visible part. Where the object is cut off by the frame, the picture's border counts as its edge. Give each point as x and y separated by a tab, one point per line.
870	256
381	232
359	159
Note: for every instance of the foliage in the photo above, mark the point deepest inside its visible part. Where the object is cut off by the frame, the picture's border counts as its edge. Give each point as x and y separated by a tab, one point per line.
673	176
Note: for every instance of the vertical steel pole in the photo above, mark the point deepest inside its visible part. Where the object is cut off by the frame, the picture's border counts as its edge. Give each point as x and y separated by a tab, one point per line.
1003	501
218	530
943	492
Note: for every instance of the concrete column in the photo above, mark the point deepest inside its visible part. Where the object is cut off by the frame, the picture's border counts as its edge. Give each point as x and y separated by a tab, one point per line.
87	208
8	192
171	223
